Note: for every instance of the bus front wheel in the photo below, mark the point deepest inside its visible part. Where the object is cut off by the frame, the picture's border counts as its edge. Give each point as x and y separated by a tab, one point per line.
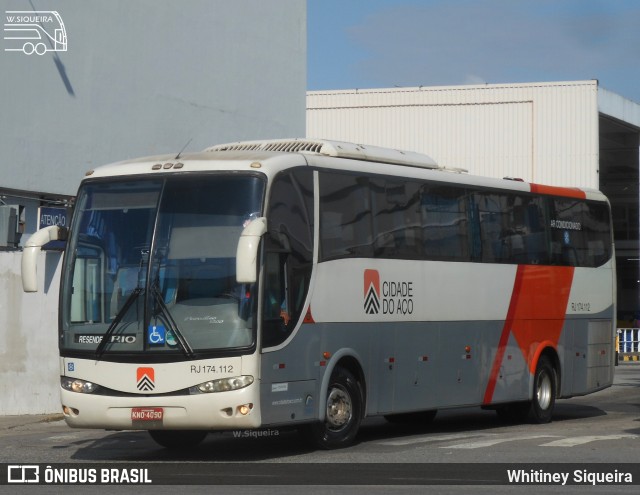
343	413
178	439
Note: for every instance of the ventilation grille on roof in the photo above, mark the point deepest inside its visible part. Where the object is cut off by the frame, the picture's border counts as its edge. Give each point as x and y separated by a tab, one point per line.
282	146
333	148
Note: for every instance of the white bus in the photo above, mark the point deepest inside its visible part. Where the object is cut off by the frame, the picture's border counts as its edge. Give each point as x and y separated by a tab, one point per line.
315	283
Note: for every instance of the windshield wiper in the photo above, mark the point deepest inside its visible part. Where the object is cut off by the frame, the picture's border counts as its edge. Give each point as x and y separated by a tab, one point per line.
116	321
171	323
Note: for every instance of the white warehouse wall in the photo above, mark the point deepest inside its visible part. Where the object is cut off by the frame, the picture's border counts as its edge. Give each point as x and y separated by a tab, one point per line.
540	132
29	369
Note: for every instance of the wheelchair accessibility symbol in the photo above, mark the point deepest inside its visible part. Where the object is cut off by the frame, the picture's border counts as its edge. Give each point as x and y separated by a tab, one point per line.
156	335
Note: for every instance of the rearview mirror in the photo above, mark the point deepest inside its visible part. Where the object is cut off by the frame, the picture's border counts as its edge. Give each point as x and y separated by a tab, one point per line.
30	254
247	252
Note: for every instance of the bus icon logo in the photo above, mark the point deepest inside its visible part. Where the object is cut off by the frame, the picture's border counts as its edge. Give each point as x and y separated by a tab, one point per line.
146	379
371	292
23	474
34	32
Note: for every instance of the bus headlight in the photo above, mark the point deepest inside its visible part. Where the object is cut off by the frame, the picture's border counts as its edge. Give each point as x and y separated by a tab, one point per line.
77	385
222	385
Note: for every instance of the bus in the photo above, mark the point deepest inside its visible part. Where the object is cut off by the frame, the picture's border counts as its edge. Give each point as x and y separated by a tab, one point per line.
310	284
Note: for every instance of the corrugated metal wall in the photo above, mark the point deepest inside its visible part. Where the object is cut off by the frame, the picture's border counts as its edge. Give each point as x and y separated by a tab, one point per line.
546	133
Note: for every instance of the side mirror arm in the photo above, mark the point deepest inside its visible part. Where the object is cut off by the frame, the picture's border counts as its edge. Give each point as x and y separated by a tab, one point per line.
30	254
247	252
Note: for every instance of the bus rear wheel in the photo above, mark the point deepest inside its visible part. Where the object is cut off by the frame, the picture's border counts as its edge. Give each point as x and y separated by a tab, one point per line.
178	439
343	413
539	410
544	392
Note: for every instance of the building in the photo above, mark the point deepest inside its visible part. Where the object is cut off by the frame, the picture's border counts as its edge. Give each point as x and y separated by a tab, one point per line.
89	83
141	78
560	133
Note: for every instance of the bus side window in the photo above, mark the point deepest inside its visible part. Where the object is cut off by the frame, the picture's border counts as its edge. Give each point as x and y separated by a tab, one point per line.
288	248
567	230
396	218
345	216
445	229
492	219
582	229
275	312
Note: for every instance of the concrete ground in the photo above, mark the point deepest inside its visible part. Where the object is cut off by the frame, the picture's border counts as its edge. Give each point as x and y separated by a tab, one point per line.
11	422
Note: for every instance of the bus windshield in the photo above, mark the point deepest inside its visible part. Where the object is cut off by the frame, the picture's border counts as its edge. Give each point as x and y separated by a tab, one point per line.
151	267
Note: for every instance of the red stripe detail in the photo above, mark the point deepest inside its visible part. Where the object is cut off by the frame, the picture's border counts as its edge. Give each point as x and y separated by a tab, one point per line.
536	315
542	309
504	337
308	317
569	192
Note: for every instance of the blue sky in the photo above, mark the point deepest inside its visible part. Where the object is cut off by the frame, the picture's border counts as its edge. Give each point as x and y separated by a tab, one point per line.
387	43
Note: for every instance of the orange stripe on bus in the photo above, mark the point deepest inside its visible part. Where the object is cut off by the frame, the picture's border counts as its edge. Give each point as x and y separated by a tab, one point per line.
569	192
536	314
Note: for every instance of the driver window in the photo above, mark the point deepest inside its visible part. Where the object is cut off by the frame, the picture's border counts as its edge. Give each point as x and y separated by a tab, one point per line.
288	254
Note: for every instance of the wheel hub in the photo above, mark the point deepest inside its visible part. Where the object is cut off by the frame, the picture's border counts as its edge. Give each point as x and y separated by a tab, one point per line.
339	408
543	392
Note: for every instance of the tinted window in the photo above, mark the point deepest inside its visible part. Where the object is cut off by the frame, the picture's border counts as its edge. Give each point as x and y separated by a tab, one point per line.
396	218
445	229
511	228
580	234
345	216
388	217
288	253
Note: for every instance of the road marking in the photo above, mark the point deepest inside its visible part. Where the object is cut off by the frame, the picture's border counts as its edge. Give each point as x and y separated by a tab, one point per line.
66	436
494	441
490	439
573	441
435	438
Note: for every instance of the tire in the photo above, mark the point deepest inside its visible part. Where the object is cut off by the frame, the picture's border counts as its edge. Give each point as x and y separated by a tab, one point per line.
178	439
343	413
545	383
539	410
414	418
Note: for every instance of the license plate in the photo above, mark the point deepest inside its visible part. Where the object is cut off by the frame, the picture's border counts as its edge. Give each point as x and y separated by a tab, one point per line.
147	413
